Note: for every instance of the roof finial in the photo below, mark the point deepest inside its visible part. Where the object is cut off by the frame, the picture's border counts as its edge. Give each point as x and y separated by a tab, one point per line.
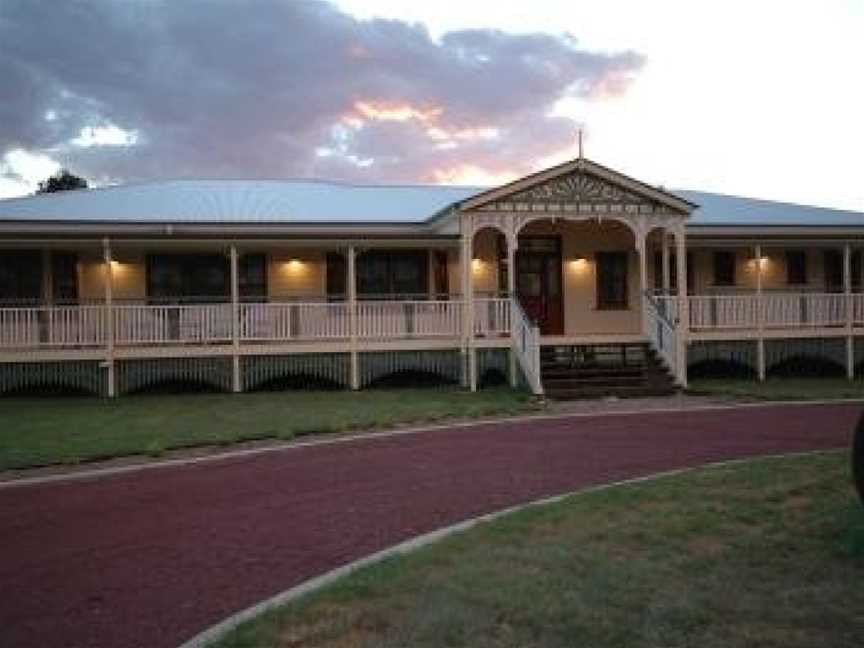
579	137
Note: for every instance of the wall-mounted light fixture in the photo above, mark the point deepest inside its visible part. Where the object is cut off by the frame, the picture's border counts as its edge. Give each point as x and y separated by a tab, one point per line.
761	261
294	265
579	263
476	264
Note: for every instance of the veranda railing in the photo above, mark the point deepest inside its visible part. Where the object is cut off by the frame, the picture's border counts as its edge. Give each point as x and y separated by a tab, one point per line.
526	344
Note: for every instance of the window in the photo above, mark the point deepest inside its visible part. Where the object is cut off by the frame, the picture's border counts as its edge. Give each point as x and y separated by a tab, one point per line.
396	273
833	271
724	268
856	262
20	276
441	278
187	277
612	280
336	276
252	279
796	267
64	277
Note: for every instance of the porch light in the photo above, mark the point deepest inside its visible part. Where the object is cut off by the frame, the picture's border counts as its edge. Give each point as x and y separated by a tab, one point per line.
476	264
579	263
294	266
761	261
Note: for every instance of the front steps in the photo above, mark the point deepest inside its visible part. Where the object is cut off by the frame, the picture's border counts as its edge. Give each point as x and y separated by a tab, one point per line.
624	370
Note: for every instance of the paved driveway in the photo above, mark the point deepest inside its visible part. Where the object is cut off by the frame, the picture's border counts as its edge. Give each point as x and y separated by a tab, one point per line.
151	558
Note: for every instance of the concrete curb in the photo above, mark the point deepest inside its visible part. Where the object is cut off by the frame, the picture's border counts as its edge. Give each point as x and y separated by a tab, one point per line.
397	432
213	633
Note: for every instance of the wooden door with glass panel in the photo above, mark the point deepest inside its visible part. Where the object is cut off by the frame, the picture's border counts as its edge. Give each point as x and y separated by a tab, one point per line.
538	282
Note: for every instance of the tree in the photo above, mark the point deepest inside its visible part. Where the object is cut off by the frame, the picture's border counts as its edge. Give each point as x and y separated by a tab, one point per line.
63	180
858	458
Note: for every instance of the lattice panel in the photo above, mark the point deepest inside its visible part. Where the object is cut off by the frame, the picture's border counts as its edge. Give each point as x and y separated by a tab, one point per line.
85	376
134	375
257	371
446	364
737	352
492	360
832	350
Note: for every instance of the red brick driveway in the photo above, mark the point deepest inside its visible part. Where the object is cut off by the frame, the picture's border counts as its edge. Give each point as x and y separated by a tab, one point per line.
150	558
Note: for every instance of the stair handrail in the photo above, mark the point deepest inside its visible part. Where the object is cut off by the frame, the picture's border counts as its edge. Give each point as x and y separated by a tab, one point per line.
525	339
662	331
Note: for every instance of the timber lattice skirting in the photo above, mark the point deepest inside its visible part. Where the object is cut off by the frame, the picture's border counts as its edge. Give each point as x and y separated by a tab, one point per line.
787	357
138	375
87	377
276	372
442	364
323	369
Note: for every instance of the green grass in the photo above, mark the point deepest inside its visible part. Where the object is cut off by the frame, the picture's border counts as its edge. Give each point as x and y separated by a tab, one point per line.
44	431
780	388
769	553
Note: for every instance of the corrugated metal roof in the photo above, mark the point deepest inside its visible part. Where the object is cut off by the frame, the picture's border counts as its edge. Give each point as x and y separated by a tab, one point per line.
239	201
722	210
314	201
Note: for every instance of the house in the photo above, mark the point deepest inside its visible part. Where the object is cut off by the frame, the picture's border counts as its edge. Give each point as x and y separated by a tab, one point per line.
564	280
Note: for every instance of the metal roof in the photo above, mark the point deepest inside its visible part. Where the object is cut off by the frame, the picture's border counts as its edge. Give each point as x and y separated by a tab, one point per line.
320	202
239	201
731	211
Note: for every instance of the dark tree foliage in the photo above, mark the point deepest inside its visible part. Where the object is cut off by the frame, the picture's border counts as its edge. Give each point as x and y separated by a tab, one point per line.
63	180
858	458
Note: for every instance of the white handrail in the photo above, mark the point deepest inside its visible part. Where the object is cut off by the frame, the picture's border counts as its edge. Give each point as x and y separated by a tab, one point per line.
525	338
780	310
284	321
52	326
662	331
183	324
408	319
492	316
86	325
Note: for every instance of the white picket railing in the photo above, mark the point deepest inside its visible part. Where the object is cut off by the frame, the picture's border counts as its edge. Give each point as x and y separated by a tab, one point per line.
52	326
778	310
661	328
268	321
858	309
85	326
183	324
295	321
80	326
492	317
525	338
19	327
408	319
723	312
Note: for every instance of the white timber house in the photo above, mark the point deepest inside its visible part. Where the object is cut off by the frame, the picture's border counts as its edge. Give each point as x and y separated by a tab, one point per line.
563	281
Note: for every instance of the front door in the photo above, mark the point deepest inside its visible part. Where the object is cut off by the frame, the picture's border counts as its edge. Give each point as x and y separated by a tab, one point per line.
538	282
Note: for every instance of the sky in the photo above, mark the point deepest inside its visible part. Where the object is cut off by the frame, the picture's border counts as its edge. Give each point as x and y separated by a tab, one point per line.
761	99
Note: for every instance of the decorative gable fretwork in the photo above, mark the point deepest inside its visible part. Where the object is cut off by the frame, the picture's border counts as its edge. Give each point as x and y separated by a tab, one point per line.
579	192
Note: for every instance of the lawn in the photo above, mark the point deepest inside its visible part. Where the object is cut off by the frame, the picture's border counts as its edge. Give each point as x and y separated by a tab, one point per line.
780	388
767	553
43	431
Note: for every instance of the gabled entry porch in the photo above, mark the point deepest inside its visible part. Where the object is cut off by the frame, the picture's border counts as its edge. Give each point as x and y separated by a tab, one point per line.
570	246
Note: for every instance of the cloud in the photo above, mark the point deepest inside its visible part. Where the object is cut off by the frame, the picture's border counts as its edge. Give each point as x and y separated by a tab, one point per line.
284	88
